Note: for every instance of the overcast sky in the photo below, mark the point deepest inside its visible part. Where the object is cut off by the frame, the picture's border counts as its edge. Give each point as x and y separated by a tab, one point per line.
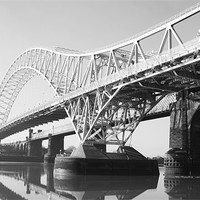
83	25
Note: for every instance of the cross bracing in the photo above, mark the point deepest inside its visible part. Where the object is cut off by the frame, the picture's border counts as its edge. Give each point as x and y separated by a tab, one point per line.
106	93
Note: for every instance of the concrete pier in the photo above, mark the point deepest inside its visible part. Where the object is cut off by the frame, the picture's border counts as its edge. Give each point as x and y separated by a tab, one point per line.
89	160
183	158
34	146
55	146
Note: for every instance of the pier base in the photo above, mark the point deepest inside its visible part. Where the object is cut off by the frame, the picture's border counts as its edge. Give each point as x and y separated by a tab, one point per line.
176	163
89	160
183	158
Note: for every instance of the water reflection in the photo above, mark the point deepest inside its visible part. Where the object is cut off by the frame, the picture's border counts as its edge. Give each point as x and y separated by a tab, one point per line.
35	181
97	187
182	188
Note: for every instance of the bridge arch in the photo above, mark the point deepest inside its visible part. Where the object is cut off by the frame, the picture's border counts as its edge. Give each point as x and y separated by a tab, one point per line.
31	63
102	77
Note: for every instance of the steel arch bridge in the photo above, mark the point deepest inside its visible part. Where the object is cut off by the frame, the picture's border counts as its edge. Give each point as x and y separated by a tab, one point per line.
107	92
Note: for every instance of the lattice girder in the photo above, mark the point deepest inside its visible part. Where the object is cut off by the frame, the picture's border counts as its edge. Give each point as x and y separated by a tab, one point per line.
105	116
12	89
92	84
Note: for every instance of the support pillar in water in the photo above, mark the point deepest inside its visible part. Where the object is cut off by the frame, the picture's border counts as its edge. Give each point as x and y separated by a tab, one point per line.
34	146
55	146
183	157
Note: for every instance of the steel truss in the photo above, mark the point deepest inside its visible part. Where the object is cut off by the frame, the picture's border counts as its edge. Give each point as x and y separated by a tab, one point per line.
106	93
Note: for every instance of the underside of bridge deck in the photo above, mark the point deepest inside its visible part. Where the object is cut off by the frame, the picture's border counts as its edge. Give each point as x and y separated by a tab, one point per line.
30	121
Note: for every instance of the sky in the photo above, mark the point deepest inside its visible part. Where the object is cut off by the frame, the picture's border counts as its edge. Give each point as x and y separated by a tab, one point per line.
82	25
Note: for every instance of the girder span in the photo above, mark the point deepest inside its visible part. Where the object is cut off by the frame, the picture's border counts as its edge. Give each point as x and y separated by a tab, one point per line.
107	93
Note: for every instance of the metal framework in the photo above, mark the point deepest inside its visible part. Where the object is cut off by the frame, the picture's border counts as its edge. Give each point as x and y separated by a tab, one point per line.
106	93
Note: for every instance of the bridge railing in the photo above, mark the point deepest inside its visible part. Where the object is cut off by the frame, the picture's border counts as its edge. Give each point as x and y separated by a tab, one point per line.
66	128
176	52
52	103
143	66
169	55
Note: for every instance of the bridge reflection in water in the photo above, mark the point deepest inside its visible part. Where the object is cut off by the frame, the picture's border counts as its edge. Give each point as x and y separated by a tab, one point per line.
182	188
36	181
97	187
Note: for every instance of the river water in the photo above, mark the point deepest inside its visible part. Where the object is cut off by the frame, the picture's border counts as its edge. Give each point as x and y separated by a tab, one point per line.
35	181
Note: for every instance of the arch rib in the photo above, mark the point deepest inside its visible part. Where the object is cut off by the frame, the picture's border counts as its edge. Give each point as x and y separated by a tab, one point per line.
102	76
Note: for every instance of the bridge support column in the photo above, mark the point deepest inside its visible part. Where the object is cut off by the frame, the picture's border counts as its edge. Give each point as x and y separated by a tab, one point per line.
55	146
181	159
34	146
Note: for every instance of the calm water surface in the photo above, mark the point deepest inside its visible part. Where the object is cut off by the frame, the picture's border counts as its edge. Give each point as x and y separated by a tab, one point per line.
36	181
